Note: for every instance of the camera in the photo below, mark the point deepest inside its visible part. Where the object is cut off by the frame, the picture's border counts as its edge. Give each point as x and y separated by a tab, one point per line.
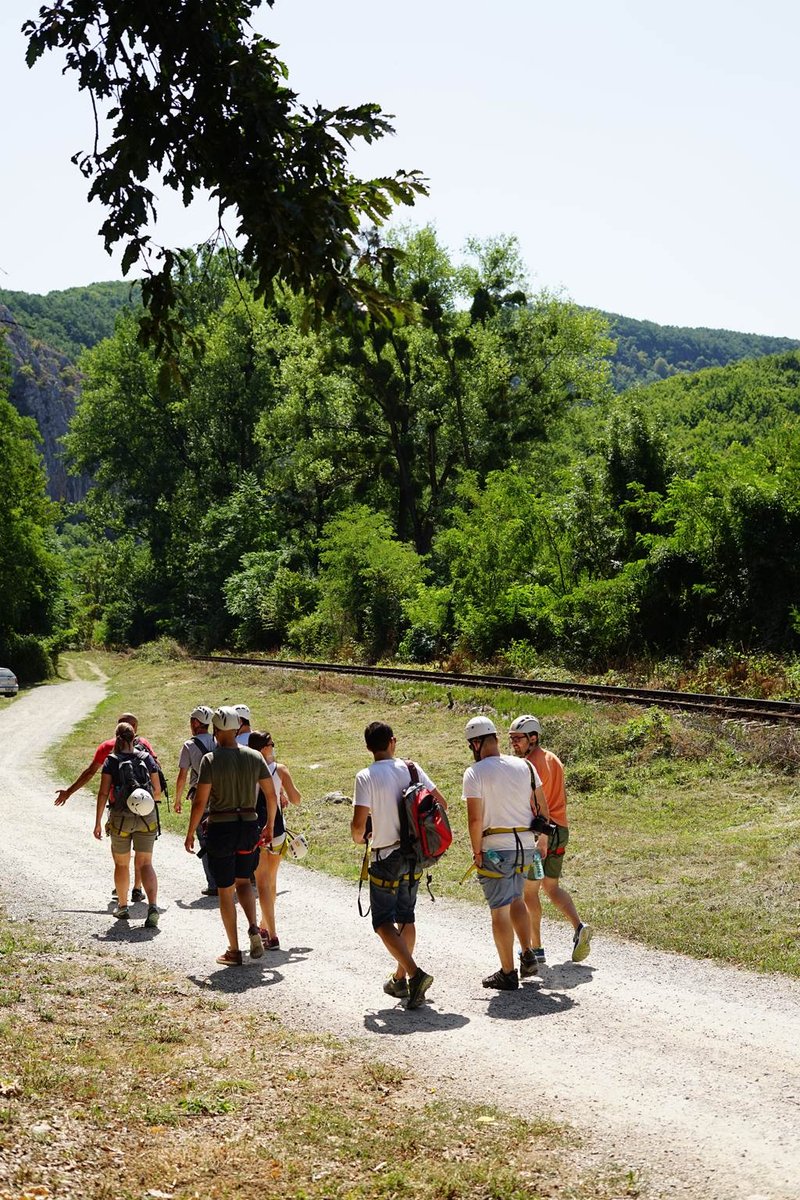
540	825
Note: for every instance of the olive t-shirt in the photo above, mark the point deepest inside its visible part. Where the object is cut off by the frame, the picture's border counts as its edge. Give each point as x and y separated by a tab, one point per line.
234	773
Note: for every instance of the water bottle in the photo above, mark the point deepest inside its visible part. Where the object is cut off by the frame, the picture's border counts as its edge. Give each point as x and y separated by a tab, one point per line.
538	865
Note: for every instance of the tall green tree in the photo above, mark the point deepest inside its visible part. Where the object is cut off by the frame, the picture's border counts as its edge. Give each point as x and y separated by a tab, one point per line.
185	90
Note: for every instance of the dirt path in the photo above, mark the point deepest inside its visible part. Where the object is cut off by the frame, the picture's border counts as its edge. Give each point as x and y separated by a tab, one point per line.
688	1070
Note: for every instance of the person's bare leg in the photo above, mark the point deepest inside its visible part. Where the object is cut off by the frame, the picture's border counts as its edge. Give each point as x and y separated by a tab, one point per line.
503	934
244	894
267	883
122	877
137	875
147	874
397	946
562	900
227	910
408	935
520	919
534	906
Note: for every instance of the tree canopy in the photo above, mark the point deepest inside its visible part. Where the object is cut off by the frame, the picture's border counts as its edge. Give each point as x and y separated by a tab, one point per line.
186	91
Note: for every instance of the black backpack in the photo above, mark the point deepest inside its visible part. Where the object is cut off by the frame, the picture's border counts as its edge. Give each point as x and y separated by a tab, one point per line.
131	773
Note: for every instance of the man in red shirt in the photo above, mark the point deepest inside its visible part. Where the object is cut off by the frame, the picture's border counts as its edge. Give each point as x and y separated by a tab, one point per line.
524	734
100	755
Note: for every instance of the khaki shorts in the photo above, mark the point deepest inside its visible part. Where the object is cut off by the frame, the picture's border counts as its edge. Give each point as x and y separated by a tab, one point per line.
141	840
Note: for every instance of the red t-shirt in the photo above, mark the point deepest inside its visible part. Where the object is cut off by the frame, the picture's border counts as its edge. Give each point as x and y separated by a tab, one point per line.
107	747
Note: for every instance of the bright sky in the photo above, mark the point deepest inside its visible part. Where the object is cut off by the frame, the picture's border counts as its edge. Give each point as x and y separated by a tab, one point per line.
644	154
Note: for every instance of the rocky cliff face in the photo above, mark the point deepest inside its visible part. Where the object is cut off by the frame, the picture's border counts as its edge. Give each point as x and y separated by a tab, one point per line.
45	386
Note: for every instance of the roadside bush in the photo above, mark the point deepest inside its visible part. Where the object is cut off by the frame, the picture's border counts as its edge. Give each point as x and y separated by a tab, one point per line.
162	650
27	657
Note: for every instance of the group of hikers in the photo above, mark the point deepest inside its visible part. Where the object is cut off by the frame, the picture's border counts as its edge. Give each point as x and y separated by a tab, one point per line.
238	793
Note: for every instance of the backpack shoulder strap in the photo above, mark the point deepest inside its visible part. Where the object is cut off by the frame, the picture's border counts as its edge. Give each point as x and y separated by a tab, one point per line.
533	786
412	770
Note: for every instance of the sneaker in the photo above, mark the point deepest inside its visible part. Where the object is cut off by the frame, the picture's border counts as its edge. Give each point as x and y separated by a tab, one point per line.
581	943
503	981
272	943
113	893
256	944
151	920
541	961
418	985
121	912
397	987
528	964
209	891
136	895
231	958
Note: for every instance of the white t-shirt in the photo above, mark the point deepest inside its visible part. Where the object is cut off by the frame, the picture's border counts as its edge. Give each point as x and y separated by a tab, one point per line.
503	783
379	788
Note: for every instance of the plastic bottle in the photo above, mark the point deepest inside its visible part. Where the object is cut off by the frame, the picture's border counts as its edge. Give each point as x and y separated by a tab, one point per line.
538	865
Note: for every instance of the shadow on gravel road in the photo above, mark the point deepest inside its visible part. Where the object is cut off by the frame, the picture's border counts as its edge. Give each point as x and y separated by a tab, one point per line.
565	976
527	1002
399	1021
253	973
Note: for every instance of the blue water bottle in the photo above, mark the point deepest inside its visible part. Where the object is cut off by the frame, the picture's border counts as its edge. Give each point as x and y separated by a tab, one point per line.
538	865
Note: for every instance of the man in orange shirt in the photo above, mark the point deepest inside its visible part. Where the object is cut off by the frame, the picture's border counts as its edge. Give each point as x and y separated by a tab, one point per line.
525	733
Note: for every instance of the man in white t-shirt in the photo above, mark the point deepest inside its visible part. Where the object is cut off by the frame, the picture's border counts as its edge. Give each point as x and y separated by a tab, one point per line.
192	751
503	794
393	878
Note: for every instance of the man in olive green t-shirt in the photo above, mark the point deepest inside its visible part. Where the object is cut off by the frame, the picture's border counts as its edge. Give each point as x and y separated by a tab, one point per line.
229	778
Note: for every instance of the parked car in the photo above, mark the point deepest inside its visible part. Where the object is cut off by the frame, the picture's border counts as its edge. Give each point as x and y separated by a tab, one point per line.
8	682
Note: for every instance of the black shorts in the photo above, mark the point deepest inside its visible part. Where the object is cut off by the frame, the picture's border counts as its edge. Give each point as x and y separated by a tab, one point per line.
232	851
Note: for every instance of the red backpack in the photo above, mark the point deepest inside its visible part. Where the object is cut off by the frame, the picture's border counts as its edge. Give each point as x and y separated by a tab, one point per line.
425	832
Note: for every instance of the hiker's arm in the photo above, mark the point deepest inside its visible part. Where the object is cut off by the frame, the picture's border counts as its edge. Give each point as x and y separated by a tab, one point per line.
287	784
180	784
475	822
439	798
63	794
102	797
199	803
358	825
271	797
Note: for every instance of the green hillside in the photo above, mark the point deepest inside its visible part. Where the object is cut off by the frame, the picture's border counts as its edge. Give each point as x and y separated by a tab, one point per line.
72	320
647	352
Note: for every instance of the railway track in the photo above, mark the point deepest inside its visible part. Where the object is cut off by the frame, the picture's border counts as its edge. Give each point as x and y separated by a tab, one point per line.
731	707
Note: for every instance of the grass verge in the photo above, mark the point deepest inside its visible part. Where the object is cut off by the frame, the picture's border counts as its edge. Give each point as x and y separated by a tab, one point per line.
118	1080
685	831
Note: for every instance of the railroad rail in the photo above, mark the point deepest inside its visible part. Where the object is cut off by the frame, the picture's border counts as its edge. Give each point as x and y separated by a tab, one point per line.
742	708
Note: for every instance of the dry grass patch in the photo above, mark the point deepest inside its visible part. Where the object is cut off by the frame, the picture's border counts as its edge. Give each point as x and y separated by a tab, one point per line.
120	1081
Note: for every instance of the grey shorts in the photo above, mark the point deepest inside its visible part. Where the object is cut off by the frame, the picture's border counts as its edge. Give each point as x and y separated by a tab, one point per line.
511	866
393	887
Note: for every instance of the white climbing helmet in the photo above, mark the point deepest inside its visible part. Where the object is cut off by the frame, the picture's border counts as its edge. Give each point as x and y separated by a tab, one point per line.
479	727
526	724
141	802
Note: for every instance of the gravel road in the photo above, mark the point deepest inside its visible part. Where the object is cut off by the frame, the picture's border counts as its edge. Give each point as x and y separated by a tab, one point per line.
686	1070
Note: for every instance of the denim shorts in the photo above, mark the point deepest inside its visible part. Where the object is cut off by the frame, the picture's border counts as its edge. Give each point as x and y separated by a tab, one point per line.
393	903
500	892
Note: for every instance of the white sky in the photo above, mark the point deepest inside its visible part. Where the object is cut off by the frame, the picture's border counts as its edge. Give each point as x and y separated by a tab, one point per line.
644	154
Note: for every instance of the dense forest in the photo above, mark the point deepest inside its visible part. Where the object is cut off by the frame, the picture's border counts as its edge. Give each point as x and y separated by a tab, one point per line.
459	482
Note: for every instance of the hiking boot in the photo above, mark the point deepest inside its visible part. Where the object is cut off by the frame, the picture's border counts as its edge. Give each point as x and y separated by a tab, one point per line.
418	985
256	944
209	891
231	958
581	943
151	920
528	964
503	981
136	895
396	987
121	912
